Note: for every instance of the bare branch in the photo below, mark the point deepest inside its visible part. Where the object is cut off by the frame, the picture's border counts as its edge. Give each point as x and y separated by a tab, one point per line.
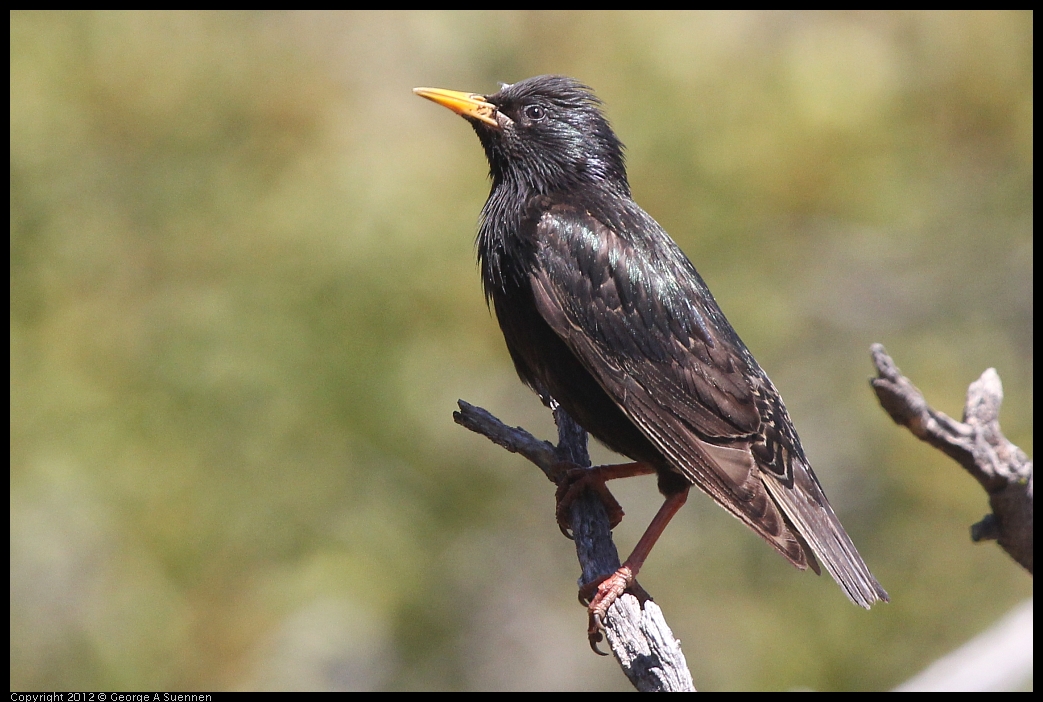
636	632
976	443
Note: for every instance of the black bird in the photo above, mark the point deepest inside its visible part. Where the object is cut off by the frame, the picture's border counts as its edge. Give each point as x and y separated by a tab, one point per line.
602	312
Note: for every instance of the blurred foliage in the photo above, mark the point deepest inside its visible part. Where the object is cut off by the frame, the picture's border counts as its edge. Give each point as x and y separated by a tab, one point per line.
244	302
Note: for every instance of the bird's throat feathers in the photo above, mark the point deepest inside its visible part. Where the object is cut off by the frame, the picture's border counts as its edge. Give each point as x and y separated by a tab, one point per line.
501	251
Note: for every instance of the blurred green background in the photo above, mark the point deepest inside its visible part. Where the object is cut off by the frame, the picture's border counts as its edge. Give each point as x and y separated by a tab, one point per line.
244	303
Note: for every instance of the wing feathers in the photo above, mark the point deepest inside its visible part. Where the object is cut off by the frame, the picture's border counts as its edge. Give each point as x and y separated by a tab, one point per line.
654	339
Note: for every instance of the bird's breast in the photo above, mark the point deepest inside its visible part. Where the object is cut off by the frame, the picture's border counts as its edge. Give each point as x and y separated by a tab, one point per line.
545	363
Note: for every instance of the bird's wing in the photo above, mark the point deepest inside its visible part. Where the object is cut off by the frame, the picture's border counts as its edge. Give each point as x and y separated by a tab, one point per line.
640	319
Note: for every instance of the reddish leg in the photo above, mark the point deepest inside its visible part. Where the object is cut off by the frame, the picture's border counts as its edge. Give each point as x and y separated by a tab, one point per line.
578	479
609	589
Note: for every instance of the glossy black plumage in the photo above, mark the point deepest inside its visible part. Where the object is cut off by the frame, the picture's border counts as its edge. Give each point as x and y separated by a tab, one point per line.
603	312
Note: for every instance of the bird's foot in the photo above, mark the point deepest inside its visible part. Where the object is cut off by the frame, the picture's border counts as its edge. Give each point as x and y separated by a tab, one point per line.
601	595
573	482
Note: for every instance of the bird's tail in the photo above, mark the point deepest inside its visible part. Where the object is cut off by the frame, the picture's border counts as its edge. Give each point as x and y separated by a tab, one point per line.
806	508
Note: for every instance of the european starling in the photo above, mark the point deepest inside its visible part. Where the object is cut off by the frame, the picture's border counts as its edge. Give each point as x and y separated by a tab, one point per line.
602	312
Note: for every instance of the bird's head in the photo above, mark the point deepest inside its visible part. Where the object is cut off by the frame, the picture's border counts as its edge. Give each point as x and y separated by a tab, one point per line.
543	134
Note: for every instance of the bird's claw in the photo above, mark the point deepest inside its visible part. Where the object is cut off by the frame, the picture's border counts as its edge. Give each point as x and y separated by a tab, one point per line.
571	485
595	634
604	594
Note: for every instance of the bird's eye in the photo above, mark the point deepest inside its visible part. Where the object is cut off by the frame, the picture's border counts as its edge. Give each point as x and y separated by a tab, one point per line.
535	113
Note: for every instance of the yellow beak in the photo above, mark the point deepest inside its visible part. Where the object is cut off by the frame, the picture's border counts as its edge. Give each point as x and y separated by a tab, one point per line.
467	105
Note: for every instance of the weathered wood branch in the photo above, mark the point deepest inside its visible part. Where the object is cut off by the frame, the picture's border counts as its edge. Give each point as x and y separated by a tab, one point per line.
976	443
636	632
